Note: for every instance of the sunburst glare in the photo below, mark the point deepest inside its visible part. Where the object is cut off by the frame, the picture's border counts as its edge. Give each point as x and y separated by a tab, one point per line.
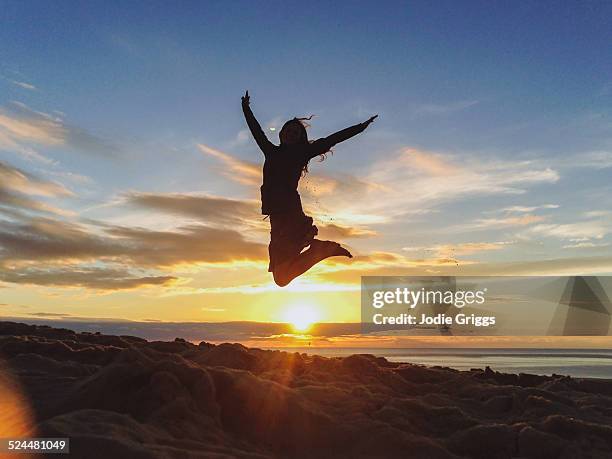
301	316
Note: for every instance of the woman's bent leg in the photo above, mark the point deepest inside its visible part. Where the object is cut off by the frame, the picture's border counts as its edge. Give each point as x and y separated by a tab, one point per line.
285	272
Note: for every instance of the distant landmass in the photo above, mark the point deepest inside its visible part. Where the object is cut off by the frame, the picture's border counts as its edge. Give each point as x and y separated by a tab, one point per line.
234	331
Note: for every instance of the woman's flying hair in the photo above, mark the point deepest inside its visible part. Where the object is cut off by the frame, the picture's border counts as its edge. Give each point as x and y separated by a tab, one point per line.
302	122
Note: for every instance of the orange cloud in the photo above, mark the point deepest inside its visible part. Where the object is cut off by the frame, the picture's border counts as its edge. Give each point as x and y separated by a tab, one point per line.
20	125
244	172
339	232
429	163
210	209
16	187
15	179
78	276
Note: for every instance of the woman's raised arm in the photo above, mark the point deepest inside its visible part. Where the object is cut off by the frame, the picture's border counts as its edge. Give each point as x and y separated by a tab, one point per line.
258	134
324	144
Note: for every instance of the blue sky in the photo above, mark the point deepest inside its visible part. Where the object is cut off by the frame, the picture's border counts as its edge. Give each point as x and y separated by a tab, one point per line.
493	146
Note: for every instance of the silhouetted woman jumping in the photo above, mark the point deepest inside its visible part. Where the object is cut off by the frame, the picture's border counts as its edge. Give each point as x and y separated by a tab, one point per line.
292	231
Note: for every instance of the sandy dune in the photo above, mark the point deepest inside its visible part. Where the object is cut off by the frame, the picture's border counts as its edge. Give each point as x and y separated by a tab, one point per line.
124	397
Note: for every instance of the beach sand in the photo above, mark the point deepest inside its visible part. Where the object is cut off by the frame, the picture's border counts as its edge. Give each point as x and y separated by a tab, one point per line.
125	397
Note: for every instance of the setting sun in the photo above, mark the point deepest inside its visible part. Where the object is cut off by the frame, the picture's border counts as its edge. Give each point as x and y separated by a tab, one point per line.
301	316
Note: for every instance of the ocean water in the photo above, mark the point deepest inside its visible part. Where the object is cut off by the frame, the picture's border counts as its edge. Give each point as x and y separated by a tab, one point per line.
580	363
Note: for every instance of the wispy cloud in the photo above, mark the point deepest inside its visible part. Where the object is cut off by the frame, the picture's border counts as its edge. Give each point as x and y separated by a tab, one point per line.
338	233
214	210
601	159
48	314
441	109
222	212
351	274
24	85
527	209
17	188
20	83
591	159
408	181
18	180
585	245
40	239
245	172
505	222
594	229
46	250
242	138
336	191
194	244
68	176
21	127
461	249
76	276
418	180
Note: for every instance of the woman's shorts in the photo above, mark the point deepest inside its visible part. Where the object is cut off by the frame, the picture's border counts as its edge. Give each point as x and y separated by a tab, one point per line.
290	233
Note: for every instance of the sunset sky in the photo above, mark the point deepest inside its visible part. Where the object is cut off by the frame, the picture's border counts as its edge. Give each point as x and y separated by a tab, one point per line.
129	185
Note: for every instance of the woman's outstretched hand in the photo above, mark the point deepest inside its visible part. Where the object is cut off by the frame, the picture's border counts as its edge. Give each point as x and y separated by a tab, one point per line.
246	99
369	121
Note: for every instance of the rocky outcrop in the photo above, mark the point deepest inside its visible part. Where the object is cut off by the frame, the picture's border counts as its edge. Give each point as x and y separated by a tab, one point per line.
124	397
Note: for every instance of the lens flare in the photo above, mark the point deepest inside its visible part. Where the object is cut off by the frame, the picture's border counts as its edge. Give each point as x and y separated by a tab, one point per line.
16	419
